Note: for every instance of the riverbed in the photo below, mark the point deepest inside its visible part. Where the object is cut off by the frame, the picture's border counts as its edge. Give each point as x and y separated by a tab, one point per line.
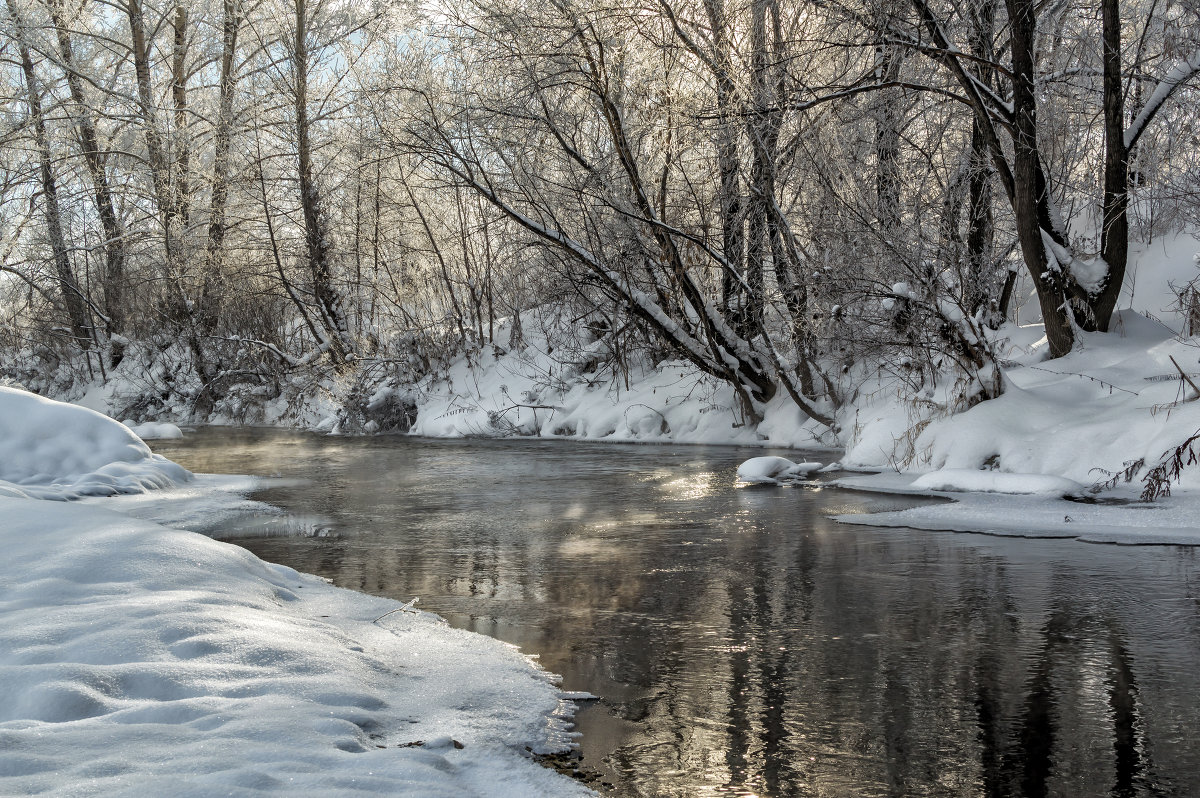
741	643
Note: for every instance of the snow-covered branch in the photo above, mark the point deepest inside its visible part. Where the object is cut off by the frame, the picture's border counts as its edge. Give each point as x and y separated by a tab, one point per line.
1183	70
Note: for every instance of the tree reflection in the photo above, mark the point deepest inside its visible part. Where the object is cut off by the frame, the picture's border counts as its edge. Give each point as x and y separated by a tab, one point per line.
744	644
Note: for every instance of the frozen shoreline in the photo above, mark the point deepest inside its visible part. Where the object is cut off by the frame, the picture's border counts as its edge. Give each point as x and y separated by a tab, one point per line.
138	658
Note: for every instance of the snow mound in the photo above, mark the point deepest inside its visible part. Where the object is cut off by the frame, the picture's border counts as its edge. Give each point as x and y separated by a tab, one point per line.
154	430
961	479
773	470
140	660
54	450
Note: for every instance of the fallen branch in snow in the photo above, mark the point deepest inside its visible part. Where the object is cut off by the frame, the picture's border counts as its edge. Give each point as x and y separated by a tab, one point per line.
664	426
1186	379
406	608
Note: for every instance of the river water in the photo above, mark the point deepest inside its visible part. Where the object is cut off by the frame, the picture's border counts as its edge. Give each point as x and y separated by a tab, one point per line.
740	642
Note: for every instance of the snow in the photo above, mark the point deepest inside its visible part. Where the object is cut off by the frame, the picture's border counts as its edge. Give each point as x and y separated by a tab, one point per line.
1063	427
141	660
138	659
958	479
1116	399
154	430
528	390
773	470
55	450
1180	72
1170	521
1155	271
1082	416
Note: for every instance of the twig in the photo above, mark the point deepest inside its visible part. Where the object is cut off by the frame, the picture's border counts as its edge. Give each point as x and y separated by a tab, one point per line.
406	608
1185	378
1106	384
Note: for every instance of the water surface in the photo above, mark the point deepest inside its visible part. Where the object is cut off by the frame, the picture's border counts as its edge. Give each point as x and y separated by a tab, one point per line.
742	643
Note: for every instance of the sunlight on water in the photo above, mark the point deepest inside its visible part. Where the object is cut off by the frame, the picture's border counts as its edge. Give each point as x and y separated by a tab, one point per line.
696	486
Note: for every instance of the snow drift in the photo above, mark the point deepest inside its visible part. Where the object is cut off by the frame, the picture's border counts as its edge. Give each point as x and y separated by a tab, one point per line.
54	450
154	430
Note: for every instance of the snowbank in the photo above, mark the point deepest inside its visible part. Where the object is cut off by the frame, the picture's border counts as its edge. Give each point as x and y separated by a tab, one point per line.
139	660
1156	271
1171	521
1118	519
1115	400
54	450
535	388
1118	398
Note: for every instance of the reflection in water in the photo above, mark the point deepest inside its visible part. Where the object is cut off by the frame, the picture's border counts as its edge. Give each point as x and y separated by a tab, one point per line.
743	644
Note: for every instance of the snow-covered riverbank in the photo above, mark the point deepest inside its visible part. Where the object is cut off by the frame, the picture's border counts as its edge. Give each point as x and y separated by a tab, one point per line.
1116	406
137	659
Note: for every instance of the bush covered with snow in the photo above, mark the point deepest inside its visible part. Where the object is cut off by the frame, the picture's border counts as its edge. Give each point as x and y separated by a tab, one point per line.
54	450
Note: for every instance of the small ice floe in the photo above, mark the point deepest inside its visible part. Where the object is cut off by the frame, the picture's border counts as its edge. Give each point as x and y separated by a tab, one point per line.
773	470
154	430
963	479
577	695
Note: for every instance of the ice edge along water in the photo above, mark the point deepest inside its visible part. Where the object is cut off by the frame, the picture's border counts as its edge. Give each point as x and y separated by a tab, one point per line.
1026	505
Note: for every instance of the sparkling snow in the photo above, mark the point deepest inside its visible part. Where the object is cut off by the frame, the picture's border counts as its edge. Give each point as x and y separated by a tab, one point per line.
1171	521
961	479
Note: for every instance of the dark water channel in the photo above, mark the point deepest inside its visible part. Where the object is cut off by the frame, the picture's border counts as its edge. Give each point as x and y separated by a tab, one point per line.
741	643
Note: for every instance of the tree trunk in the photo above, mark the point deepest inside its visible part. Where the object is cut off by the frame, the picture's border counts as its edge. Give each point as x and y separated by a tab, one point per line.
316	236
160	175
181	164
729	200
980	222
222	137
1030	198
1114	235
94	160
761	184
885	111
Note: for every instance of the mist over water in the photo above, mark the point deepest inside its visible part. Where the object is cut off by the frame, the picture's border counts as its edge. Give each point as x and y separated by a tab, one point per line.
740	642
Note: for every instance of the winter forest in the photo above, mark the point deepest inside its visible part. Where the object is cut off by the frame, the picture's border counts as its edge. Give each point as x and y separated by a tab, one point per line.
908	292
256	198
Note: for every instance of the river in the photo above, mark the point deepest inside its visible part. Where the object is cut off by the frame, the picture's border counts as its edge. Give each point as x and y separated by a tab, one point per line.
742	644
